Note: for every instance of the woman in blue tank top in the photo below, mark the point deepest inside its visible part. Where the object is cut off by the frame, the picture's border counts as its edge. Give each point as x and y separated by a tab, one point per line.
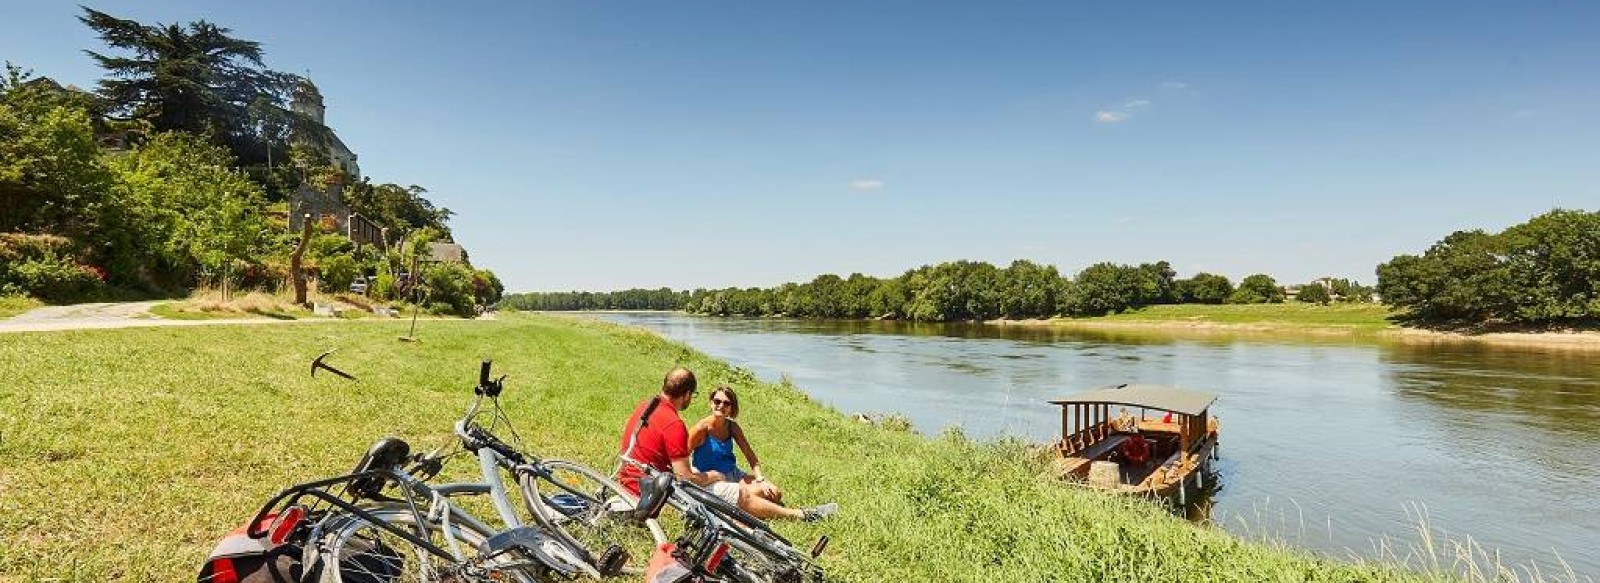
713	439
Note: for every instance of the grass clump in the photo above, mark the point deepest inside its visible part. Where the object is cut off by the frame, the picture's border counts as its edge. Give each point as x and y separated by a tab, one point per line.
128	453
13	305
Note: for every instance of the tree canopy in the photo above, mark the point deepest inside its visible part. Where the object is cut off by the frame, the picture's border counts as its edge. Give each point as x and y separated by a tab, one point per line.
1546	270
197	78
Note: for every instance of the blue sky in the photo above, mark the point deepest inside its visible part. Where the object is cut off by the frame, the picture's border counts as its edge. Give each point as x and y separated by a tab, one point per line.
603	145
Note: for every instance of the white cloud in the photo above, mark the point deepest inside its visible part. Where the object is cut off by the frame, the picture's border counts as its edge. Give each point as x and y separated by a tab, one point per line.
1136	104
1104	116
1174	85
866	184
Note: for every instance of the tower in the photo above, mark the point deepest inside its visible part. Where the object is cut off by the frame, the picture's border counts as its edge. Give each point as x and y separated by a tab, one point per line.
308	101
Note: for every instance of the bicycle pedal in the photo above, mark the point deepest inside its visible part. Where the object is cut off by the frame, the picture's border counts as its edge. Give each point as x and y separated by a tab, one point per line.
612	560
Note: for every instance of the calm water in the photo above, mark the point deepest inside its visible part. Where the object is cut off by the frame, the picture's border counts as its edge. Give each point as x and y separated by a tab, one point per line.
1329	446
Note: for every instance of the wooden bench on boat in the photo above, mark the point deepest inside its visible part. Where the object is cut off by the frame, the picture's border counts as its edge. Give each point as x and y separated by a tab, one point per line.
1181	443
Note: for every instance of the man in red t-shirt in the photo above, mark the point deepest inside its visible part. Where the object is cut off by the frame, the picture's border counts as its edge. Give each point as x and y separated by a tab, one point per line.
663	444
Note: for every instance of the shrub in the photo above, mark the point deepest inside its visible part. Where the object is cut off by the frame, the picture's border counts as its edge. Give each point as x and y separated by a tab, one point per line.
383	288
338	272
1257	289
1314	293
52	279
42	266
449	289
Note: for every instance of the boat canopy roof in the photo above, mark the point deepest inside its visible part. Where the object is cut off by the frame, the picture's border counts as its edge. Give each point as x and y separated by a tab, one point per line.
1165	398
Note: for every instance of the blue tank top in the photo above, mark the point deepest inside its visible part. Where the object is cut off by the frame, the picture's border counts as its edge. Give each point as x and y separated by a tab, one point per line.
716	454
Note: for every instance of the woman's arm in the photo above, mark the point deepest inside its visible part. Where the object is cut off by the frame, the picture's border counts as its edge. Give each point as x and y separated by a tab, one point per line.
697	434
749	453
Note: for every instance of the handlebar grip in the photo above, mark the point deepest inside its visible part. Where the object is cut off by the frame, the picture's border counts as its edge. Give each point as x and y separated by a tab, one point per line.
483	372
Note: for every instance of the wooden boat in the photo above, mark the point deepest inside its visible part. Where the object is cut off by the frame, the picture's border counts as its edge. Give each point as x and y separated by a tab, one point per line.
1099	434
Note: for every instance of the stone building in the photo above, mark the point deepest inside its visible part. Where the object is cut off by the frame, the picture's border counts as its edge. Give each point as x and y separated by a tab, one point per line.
308	102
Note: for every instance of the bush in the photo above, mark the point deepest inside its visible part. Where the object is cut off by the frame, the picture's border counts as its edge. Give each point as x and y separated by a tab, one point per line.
383	288
42	266
52	279
1314	293
1257	289
449	289
338	272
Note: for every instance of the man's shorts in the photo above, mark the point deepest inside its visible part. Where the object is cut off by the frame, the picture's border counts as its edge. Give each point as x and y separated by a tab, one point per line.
727	491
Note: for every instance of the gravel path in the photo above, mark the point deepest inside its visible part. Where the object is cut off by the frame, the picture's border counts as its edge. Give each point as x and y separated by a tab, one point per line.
107	315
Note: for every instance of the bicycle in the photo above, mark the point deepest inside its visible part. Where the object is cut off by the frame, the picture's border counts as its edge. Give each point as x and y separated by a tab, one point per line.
364	537
584	508
376	538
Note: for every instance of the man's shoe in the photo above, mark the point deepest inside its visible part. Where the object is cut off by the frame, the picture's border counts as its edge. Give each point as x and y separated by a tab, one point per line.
819	512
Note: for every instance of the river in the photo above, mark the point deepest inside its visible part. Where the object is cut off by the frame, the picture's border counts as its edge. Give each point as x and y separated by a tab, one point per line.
1346	447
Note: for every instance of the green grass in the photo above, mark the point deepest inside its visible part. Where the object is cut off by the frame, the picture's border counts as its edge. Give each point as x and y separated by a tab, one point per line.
126	454
13	305
1285	316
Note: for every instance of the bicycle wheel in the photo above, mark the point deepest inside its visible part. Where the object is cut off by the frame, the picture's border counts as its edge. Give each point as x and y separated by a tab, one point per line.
356	550
589	511
759	552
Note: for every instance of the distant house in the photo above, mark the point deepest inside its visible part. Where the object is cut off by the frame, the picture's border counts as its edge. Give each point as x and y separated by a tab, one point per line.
446	253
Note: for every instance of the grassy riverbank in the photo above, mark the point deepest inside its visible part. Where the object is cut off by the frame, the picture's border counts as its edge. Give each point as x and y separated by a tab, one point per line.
126	453
1357	319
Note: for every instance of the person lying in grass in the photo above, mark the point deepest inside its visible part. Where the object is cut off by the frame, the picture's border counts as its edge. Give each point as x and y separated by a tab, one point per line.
663	443
713	438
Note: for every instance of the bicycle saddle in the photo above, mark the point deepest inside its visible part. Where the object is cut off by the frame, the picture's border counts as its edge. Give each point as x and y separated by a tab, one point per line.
388	453
653	495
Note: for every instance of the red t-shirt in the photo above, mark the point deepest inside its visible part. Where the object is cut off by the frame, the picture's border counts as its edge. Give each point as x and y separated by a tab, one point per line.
663	439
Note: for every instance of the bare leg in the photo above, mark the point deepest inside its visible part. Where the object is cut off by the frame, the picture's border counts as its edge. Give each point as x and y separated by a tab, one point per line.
765	509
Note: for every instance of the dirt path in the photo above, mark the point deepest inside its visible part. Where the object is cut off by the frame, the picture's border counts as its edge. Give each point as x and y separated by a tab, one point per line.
107	315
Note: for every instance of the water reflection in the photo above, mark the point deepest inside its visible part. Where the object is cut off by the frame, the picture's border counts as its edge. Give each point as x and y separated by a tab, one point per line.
1325	442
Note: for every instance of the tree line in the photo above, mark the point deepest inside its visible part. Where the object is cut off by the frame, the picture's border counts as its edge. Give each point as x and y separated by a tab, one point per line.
954	291
1543	271
176	172
628	299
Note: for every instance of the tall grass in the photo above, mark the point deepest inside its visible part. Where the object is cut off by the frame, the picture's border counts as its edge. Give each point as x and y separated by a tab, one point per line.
127	453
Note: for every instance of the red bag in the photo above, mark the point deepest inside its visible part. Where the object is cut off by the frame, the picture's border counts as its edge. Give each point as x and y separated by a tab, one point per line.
238	558
665	568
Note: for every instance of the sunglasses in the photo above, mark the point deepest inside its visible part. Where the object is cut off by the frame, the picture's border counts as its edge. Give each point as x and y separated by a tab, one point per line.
720	402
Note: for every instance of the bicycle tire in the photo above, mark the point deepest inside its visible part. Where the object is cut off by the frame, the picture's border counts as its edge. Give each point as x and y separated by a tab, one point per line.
589	511
353	550
758	548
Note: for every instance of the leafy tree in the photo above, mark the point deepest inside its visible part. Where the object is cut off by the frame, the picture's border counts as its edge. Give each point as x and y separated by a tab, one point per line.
1553	263
1106	288
1314	293
1206	288
888	299
1157	284
338	272
1462	277
486	288
196	78
52	175
1257	289
182	212
1029	290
